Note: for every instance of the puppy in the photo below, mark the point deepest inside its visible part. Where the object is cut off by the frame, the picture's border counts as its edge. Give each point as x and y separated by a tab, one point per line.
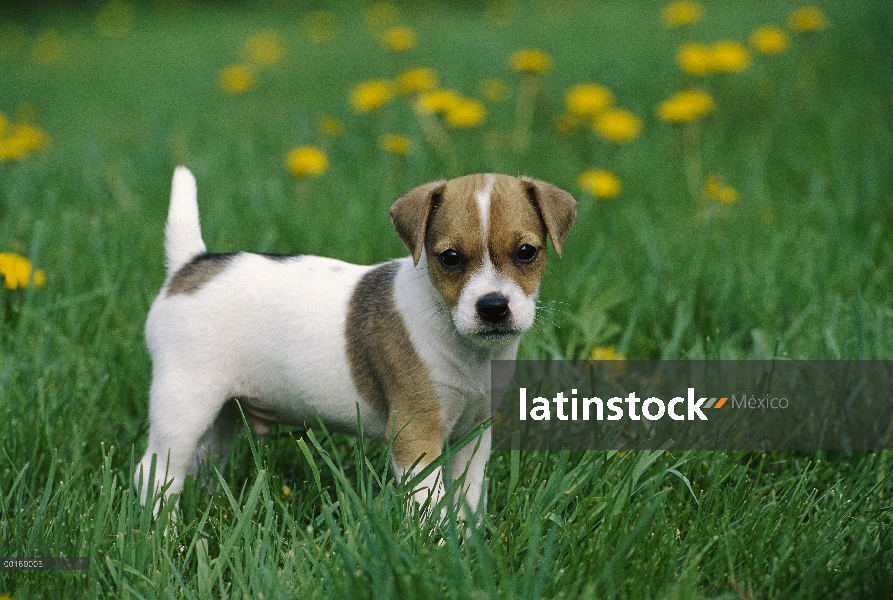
408	342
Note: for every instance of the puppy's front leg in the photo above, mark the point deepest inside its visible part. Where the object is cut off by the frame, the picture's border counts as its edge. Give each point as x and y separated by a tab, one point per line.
417	436
471	461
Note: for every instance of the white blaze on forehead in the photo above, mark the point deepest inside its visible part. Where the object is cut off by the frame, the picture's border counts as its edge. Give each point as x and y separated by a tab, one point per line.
483	200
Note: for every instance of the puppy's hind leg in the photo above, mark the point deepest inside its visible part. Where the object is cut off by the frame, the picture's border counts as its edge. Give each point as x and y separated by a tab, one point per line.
214	446
182	411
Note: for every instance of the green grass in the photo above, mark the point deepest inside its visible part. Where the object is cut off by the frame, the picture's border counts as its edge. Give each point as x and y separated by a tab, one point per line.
800	267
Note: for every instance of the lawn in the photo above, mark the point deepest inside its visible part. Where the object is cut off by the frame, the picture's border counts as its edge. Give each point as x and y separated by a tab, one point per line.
750	218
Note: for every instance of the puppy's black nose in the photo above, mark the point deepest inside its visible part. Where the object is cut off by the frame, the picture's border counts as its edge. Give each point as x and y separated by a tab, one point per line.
493	307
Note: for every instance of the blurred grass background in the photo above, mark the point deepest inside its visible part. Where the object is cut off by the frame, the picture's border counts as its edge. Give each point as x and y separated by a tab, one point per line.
799	265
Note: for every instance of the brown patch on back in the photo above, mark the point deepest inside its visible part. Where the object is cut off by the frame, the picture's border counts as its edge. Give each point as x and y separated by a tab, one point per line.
197	272
388	372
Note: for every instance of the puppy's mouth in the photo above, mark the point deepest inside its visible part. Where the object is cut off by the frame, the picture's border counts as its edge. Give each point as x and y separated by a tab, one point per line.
497	333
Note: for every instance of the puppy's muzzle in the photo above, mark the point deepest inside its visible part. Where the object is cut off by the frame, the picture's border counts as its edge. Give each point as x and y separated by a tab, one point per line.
493	308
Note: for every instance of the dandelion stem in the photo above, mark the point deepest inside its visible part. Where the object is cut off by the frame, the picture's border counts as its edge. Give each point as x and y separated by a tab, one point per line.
530	84
438	139
25	312
691	144
395	174
302	192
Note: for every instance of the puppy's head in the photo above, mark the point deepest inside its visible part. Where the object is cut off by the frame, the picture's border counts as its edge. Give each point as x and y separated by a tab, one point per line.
483	239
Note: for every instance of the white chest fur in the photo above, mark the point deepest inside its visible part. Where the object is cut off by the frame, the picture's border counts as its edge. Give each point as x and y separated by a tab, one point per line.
460	369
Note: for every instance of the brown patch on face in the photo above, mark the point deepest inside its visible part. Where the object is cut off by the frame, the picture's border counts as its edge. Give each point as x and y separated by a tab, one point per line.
521	212
455	224
514	222
409	215
197	272
388	372
557	208
445	216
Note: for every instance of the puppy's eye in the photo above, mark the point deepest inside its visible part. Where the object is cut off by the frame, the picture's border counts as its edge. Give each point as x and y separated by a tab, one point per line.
526	253
450	259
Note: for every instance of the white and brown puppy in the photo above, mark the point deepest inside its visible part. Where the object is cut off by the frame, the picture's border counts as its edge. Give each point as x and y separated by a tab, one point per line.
409	341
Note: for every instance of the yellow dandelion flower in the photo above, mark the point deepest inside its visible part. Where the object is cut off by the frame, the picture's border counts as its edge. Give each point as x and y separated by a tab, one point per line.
417	80
600	183
381	15
18	140
399	39
567	124
695	59
49	47
715	189
682	13
494	89
237	79
729	57
306	161
438	101
264	48
320	26
465	113
712	185
371	95
686	106
530	60
40	278
17	272
396	144
808	18
769	39
617	125
115	19
329	126
606	353
728	195
15	269
617	366
588	99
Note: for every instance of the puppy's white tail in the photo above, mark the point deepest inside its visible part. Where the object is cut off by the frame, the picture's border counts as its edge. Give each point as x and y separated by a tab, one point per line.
183	234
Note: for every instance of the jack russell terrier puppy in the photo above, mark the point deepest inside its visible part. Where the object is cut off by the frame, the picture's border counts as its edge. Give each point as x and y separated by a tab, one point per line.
293	338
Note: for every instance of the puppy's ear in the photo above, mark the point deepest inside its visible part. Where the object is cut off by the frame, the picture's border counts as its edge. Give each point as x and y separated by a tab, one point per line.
557	207
410	212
